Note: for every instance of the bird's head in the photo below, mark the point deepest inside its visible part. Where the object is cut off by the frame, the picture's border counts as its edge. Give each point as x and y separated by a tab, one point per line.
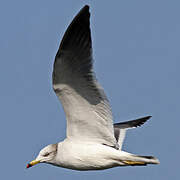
46	155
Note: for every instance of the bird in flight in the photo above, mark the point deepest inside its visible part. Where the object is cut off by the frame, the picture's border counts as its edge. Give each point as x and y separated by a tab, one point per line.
93	142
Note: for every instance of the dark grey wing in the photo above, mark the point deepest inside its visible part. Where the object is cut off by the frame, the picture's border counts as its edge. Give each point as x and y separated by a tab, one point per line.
120	128
87	109
132	123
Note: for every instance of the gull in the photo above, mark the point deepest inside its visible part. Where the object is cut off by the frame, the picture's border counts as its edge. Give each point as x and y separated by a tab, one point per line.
93	142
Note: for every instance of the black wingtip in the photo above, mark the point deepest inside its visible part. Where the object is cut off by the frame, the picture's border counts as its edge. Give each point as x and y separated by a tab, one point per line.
80	24
86	7
148	117
145	118
141	121
84	10
132	123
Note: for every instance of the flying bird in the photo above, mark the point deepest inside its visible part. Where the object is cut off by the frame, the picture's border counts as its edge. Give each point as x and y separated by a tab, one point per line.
93	142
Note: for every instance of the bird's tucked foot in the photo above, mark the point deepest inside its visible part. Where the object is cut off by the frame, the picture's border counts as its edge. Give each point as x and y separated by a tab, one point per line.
134	163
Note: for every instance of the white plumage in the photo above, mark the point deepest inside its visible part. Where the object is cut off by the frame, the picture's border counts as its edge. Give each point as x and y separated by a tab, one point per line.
92	142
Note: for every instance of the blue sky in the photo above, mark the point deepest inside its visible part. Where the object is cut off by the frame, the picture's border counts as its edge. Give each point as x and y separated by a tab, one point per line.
137	60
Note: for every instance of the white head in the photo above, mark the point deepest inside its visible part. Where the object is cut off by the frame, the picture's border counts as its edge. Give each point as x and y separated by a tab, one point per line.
46	155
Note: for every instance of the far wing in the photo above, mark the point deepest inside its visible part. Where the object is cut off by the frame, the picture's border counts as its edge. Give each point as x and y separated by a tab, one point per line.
87	109
120	128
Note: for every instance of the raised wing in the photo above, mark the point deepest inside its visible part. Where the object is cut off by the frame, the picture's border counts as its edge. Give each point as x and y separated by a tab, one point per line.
120	128
86	107
132	123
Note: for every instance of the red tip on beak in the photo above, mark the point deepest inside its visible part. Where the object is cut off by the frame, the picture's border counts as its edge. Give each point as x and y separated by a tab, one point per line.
28	165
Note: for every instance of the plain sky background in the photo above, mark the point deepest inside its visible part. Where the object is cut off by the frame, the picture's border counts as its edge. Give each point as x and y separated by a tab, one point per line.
137	60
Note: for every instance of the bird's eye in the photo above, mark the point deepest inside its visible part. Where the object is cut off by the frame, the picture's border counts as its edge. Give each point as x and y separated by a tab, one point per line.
46	154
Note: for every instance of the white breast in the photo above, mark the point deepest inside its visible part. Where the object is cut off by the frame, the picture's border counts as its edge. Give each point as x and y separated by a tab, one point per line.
86	156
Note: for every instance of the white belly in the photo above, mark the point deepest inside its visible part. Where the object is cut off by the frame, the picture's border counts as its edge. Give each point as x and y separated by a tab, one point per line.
87	156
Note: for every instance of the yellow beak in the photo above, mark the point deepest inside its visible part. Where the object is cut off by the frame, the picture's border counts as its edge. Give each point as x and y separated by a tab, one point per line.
32	163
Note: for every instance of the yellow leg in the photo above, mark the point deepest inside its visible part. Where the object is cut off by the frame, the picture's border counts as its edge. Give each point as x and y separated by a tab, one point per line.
134	163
